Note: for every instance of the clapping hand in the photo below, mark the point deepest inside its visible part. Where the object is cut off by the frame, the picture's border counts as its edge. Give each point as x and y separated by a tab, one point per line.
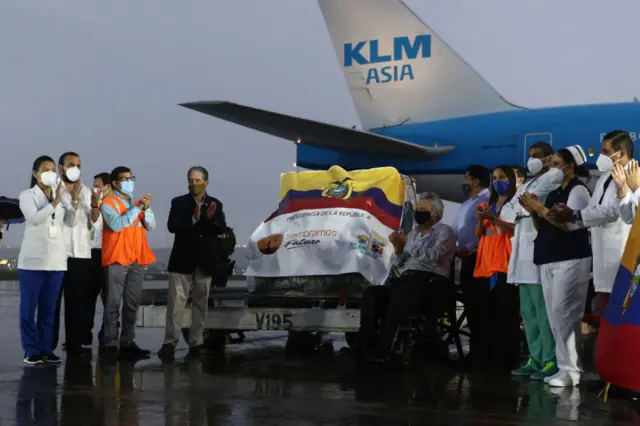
633	175
620	179
484	212
531	202
525	205
145	201
95	196
75	191
58	197
398	240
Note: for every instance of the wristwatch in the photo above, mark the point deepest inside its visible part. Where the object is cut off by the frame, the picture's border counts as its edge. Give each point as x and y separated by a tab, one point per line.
577	216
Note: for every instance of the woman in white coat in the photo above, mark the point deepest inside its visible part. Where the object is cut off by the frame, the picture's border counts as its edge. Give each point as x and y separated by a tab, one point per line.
564	258
525	274
42	259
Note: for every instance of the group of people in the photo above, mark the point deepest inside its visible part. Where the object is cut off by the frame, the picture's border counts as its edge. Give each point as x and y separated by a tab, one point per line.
81	242
528	250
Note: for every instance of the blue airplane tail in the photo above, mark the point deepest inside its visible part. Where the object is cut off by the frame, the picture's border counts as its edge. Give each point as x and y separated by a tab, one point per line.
398	70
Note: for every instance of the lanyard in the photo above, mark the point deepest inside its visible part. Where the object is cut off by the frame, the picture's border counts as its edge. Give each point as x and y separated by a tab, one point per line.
496	213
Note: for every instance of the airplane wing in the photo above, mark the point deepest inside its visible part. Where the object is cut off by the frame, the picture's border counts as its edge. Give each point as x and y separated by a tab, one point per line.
309	132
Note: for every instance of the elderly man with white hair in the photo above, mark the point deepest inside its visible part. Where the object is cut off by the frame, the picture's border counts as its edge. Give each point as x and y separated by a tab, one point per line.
423	258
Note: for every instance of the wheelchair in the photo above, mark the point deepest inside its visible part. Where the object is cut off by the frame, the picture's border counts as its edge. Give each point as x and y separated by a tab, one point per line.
417	336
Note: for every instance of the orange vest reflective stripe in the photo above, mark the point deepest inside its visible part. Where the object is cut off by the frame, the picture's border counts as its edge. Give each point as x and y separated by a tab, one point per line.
130	244
494	251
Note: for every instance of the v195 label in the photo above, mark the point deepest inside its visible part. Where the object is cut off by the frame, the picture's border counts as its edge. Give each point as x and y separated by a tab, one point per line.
273	320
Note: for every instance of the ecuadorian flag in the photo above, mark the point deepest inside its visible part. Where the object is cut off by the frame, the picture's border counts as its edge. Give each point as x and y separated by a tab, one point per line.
380	192
618	345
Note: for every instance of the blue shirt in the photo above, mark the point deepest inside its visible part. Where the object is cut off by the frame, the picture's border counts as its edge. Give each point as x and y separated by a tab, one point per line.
466	221
117	222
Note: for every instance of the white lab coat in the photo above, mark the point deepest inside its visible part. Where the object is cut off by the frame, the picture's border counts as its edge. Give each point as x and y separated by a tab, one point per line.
44	246
79	236
522	270
609	234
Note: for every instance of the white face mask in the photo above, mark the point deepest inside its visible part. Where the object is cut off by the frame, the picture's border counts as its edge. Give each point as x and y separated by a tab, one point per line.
534	165
605	163
555	177
48	178
73	174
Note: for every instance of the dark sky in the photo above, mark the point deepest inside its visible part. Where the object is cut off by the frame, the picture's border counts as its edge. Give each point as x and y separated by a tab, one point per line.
104	79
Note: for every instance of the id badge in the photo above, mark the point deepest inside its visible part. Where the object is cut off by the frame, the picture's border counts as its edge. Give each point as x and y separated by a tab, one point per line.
53	232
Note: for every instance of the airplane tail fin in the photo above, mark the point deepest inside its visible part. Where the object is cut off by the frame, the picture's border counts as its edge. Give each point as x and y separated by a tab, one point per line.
398	70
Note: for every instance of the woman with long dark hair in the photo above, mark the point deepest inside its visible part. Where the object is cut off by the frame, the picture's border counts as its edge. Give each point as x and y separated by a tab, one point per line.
493	310
564	257
42	260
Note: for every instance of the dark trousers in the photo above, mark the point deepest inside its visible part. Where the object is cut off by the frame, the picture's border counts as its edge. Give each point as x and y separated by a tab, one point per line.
38	292
78	303
494	322
474	309
384	309
98	284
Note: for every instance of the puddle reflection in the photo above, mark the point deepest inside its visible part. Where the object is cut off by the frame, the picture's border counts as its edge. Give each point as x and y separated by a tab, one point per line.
283	391
36	402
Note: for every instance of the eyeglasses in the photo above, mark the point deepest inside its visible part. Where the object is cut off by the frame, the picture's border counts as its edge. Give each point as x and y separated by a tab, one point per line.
124	179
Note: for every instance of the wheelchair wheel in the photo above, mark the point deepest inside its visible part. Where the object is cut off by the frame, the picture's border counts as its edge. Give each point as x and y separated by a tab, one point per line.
454	331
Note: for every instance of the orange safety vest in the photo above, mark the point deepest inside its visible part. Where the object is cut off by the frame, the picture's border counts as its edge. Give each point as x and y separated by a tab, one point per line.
494	251
130	244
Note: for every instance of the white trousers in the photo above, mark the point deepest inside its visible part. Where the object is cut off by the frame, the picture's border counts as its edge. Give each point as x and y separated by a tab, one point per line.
565	286
179	286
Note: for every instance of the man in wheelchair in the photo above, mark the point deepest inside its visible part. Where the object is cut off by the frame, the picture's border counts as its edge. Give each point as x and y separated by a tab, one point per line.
423	259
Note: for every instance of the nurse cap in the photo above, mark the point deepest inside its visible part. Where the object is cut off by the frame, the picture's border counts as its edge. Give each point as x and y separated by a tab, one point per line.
578	154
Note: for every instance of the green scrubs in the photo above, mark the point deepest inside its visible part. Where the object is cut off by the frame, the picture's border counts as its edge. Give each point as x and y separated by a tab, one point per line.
542	346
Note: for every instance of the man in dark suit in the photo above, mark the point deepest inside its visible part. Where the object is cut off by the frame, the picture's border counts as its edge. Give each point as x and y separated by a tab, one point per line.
196	219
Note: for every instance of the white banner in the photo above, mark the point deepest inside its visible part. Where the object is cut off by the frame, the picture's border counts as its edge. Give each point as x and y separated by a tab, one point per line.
330	223
322	242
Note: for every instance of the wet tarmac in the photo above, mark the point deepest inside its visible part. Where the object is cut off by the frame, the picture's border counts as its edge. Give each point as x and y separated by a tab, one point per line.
258	383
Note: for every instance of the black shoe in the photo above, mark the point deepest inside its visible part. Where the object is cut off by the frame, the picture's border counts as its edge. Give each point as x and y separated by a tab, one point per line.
136	349
77	350
195	351
133	351
33	360
167	351
51	359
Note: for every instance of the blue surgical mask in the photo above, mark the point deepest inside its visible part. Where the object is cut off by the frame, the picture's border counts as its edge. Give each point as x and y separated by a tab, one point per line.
501	186
127	187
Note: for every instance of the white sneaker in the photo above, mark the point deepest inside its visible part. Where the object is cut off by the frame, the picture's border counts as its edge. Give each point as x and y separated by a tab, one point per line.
33	360
564	380
548	379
